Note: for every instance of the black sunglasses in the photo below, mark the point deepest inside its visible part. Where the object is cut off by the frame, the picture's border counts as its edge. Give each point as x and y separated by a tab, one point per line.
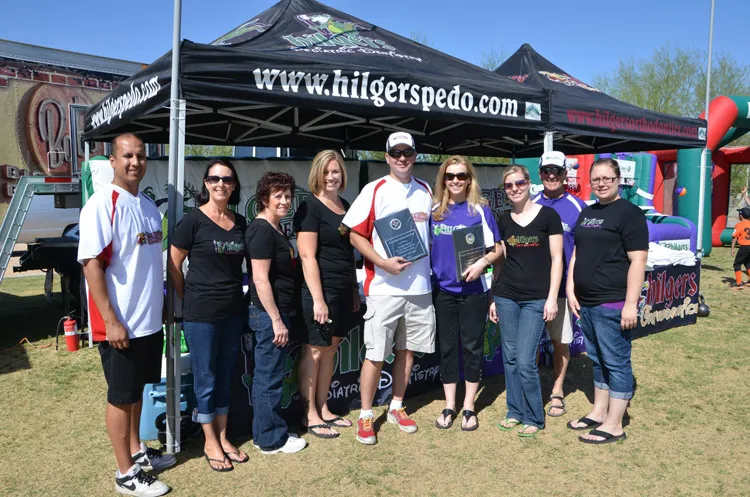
519	184
214	180
557	171
396	153
458	176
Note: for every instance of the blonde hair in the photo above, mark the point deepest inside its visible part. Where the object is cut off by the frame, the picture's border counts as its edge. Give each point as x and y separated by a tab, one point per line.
513	170
316	181
442	195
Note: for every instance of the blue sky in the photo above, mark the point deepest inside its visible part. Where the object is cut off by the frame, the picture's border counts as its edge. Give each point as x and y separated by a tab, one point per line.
584	37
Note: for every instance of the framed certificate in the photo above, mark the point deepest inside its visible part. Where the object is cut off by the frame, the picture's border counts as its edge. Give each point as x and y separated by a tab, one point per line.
400	236
468	247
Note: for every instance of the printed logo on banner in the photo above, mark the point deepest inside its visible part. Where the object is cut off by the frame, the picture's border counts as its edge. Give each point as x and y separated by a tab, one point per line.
247	31
519	78
496	200
567	80
701	133
327	34
533	111
667	297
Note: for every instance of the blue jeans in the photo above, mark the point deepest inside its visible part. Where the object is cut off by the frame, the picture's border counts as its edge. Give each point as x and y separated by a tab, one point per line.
213	350
521	328
269	428
609	348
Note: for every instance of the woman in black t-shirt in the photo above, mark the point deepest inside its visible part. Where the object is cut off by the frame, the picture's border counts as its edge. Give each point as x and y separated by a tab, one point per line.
329	294
525	297
212	237
603	289
271	298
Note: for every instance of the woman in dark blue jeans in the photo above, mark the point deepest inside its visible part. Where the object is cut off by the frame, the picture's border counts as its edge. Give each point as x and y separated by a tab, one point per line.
612	238
212	239
271	297
525	297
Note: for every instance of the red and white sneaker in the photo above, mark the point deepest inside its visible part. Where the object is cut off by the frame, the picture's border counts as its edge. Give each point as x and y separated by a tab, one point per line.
366	432
404	422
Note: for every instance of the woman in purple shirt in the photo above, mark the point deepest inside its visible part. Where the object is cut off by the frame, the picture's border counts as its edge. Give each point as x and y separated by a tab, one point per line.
460	303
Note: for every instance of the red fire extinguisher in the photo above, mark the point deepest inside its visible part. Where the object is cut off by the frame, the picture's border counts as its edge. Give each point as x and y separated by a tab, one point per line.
71	334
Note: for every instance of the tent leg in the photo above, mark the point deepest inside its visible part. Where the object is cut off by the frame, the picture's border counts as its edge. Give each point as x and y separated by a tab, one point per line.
86	157
173	408
549	139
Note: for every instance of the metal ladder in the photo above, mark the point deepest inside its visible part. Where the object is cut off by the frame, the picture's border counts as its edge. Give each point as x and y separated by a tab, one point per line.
27	187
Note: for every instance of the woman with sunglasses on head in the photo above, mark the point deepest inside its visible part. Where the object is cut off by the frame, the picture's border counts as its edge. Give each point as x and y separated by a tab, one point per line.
460	303
271	297
211	237
611	241
525	297
329	293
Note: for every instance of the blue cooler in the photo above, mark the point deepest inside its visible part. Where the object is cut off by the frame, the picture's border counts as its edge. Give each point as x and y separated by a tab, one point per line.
155	398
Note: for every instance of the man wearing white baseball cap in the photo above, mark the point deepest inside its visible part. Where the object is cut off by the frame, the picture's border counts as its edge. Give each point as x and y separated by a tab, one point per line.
553	171
398	292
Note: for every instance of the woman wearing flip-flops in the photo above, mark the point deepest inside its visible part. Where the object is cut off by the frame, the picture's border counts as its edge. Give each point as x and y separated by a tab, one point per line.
612	243
525	297
460	303
329	293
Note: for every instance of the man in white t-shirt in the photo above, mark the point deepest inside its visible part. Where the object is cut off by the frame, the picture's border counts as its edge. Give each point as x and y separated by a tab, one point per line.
399	293
120	249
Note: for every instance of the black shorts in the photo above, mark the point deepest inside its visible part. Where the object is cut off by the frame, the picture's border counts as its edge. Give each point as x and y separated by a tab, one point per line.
742	258
339	312
128	370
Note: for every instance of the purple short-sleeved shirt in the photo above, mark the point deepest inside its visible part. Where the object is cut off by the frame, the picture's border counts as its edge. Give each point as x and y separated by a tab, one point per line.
568	207
442	257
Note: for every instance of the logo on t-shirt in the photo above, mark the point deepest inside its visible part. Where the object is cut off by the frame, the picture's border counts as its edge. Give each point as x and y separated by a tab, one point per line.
229	248
566	227
591	222
444	229
523	241
149	238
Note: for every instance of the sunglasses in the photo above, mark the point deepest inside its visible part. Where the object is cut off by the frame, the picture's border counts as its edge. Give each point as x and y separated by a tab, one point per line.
396	153
557	171
214	180
518	184
458	176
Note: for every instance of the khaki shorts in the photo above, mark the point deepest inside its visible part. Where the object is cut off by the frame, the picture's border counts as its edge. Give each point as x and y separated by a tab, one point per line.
406	320
561	328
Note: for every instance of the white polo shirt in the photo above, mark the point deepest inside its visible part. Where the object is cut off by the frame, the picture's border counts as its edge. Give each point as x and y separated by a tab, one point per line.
381	198
125	232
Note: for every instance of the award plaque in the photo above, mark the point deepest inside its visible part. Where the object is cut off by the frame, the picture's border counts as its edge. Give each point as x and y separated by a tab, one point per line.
400	237
468	247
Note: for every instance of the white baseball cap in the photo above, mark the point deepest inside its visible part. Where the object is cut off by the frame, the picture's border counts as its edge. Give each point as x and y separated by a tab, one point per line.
556	159
399	138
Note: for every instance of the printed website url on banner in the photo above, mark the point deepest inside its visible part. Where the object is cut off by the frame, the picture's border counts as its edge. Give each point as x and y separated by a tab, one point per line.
616	122
380	90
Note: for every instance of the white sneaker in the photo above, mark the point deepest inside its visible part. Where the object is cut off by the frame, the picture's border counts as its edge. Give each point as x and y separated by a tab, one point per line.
152	459
140	484
293	444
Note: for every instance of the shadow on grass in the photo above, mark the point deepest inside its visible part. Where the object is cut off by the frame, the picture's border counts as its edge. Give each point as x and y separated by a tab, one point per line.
26	317
711	268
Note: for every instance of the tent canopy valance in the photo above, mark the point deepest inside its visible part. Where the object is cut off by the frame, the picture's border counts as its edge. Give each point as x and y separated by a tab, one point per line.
304	75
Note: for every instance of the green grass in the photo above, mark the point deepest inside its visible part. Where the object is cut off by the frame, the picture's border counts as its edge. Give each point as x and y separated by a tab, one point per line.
687	431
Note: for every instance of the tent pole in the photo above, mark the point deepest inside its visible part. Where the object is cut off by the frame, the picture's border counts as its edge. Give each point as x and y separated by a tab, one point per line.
706	155
549	139
86	157
173	408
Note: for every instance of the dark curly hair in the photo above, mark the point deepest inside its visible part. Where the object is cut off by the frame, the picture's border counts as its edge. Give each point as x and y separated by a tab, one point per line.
234	198
270	182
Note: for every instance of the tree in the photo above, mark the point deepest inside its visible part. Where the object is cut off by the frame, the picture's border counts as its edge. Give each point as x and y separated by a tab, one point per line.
673	80
492	59
209	150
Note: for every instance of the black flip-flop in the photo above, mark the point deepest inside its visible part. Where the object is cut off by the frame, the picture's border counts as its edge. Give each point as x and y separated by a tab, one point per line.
588	423
451	414
467	416
311	430
333	421
563	407
219	470
237	453
608	437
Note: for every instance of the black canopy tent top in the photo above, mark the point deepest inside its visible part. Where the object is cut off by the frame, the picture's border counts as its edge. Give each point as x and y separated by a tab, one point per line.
585	120
307	76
